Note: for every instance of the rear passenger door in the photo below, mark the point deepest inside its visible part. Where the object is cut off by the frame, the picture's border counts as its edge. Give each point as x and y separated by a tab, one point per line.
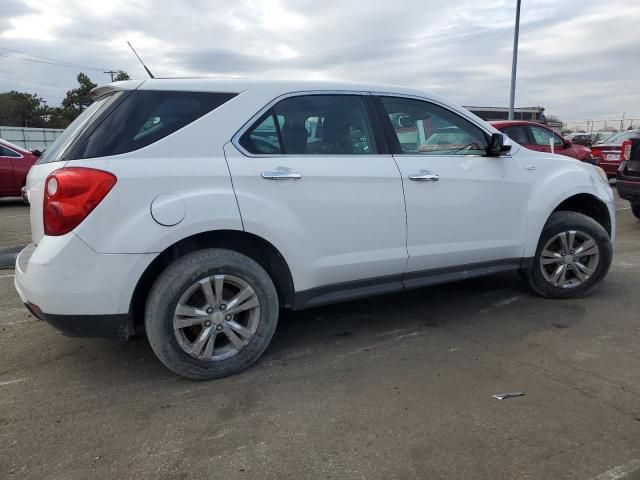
313	176
463	207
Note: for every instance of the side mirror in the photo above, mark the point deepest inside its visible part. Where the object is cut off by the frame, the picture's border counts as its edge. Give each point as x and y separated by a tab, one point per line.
499	144
36	153
567	143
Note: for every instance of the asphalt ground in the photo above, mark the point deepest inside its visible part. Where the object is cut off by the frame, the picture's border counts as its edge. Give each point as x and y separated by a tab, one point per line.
391	387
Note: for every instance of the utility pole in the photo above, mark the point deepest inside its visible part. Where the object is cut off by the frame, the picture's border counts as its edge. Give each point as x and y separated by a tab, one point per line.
111	72
622	121
514	63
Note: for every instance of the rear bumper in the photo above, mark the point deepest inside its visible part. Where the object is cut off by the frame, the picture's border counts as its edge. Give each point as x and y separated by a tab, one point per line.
628	189
80	292
609	167
113	327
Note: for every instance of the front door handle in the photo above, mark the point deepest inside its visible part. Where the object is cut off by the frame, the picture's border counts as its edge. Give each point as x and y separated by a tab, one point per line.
281	173
425	176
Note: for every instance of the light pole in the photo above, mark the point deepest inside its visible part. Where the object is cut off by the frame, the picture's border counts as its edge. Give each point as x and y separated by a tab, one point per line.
514	63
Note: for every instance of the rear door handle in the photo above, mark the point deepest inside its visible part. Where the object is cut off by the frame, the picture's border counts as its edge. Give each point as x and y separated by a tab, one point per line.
425	176
281	173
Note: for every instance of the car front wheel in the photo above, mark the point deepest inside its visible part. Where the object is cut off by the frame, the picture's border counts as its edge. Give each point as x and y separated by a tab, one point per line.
574	253
211	314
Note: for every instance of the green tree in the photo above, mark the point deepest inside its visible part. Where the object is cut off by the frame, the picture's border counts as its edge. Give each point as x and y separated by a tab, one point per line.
79	98
121	75
19	109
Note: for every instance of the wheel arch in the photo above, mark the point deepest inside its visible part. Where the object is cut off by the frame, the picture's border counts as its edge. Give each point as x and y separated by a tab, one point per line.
589	205
253	246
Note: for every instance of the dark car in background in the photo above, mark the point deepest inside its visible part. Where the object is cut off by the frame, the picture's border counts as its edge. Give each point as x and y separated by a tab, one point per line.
15	163
609	151
585	139
535	136
628	176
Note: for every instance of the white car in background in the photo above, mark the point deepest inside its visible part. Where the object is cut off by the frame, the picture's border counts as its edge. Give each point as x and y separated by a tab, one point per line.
197	209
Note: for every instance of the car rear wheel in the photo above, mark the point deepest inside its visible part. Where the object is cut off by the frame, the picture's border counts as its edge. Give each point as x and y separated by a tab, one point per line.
211	314
635	208
574	253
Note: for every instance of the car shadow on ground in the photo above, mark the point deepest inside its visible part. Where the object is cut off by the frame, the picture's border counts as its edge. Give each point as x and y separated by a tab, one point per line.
500	305
12	202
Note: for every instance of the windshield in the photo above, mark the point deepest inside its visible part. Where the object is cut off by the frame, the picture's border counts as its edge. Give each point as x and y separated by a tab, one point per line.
619	137
54	152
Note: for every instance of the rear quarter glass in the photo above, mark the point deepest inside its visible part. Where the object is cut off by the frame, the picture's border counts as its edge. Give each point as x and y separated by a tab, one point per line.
140	118
77	127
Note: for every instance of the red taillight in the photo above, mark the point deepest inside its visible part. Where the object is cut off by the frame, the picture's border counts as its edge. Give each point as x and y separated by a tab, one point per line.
625	151
70	194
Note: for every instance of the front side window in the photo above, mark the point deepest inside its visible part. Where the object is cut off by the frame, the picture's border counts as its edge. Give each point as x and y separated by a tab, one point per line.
142	118
427	129
542	136
313	125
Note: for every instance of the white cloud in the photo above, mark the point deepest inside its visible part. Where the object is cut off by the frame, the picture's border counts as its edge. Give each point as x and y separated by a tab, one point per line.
577	57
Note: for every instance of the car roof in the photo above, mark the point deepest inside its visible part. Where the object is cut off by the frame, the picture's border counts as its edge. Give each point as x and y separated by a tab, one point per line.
239	85
12	146
509	123
275	88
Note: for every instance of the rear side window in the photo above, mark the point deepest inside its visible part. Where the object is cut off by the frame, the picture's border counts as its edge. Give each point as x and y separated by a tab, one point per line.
140	119
313	125
6	152
263	138
517	134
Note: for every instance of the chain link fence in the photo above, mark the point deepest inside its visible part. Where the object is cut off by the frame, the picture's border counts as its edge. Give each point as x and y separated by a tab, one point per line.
30	138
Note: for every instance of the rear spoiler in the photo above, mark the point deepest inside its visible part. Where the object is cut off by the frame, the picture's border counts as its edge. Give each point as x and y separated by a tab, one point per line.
115	87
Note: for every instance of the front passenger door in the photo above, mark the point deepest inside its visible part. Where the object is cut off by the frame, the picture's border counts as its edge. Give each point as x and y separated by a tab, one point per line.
543	137
463	207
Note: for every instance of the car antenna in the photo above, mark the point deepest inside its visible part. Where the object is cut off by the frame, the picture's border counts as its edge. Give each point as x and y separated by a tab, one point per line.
145	67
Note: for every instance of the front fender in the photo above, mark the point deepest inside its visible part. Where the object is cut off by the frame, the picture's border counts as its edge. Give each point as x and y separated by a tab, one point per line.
557	183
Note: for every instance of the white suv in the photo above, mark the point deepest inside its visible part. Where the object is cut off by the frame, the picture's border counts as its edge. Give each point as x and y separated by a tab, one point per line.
195	210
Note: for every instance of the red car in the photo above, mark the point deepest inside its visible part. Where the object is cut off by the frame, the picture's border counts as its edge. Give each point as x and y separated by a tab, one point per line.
535	136
609	151
15	163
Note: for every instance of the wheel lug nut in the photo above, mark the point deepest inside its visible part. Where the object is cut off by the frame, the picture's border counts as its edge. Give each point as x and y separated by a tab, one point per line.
219	327
207	323
228	317
572	252
223	307
209	310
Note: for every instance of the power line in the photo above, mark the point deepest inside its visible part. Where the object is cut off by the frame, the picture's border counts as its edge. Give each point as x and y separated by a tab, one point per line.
46	60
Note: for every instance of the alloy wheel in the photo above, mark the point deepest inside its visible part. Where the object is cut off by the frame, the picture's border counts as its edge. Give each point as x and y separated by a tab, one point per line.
216	317
569	259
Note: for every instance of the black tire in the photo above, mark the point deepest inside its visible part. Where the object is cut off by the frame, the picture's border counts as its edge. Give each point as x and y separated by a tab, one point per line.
562	222
177	279
635	208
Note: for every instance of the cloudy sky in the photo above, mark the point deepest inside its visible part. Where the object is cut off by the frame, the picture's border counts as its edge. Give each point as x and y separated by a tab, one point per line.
578	58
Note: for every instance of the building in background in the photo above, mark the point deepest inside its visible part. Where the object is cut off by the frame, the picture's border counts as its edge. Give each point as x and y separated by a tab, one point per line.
532	114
